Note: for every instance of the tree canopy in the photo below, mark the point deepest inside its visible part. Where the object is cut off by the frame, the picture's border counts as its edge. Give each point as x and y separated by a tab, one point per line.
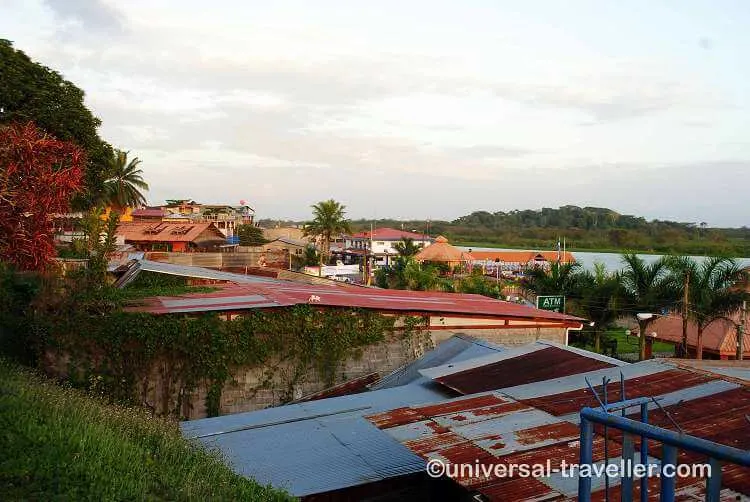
31	92
328	220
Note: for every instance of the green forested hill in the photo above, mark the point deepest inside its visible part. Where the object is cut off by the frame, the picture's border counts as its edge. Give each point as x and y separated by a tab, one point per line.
590	228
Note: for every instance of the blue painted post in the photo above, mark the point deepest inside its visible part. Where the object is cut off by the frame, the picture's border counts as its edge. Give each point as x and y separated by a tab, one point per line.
585	458
626	481
644	453
668	483
713	483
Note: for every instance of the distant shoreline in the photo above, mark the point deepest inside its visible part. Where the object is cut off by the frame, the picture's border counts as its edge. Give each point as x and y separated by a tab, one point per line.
470	244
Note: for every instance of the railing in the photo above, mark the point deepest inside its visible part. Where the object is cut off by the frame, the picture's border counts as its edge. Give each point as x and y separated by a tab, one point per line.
671	441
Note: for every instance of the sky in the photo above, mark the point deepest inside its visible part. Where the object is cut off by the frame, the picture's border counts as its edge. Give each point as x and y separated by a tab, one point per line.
416	109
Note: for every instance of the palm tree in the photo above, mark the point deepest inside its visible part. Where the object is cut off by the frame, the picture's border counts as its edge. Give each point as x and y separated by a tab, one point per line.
601	299
713	291
123	187
406	247
560	279
648	288
328	221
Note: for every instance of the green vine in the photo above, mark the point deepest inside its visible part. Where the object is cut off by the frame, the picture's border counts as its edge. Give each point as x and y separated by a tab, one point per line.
117	353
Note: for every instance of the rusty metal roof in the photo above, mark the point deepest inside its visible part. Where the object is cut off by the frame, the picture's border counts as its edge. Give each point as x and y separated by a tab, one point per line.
275	292
541	426
545	363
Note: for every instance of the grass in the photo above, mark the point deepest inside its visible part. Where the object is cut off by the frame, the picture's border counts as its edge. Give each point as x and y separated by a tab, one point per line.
59	444
627	343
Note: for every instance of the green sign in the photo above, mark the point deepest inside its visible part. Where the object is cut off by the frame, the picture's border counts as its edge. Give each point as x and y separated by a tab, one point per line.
553	303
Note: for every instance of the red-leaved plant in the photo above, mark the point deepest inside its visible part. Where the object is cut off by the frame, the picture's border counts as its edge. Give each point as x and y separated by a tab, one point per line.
38	177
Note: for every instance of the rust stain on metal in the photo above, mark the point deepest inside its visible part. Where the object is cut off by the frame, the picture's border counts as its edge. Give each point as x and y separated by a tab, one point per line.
458	418
354	386
501	409
431	444
519	489
649	385
395	417
459	406
547	432
436	427
537	366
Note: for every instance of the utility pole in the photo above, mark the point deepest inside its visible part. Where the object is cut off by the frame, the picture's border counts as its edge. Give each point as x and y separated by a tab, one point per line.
685	299
741	332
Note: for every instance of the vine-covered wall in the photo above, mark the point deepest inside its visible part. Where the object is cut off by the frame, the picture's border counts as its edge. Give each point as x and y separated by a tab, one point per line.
165	362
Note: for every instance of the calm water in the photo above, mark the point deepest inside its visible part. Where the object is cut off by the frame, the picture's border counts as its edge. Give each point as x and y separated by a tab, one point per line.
610	260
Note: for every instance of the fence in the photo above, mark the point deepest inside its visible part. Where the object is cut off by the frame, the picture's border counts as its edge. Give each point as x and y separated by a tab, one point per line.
671	441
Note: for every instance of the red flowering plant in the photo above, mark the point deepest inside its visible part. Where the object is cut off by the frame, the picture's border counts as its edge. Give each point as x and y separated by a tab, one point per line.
38	177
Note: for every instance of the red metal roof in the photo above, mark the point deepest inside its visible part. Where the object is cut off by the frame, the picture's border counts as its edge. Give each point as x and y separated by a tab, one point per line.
287	293
544	364
353	386
719	337
149	212
390	234
650	385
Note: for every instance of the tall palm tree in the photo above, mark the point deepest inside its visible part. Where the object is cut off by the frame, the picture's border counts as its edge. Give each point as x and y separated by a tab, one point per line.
648	289
328	221
123	187
713	291
406	247
601	299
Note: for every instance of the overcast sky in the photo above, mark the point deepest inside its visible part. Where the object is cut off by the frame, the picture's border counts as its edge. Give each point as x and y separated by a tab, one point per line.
416	109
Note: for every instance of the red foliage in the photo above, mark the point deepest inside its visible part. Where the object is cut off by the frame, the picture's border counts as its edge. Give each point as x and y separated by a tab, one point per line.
38	176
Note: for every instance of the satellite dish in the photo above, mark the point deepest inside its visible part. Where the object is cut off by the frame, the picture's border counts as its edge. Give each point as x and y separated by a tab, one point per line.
243	202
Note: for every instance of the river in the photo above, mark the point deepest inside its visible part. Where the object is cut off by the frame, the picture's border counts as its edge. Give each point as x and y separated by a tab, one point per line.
613	261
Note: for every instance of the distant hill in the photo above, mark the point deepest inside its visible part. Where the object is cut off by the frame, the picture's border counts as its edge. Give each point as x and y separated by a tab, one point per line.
590	228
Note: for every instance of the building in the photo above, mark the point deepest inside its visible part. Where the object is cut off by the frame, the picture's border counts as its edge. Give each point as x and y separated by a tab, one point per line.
444	314
225	217
513	262
285	232
167	236
381	243
719	337
443	252
149	214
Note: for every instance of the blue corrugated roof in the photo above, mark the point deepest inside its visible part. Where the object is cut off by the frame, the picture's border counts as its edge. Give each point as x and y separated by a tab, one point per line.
316	446
325	445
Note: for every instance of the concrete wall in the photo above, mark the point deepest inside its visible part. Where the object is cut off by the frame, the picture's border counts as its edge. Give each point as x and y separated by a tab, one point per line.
504	336
274	383
222	260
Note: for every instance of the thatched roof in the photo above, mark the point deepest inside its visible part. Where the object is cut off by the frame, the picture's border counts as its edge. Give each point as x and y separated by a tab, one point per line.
442	251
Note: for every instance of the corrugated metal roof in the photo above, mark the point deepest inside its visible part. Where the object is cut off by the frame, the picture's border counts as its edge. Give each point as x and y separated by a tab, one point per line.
494	428
536	366
292	293
455	349
453	367
200	272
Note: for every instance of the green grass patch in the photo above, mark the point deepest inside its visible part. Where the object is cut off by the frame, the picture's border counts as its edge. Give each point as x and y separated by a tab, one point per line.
59	444
629	343
153	284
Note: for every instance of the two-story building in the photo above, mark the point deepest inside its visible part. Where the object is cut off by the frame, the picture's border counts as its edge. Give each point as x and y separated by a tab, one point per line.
381	243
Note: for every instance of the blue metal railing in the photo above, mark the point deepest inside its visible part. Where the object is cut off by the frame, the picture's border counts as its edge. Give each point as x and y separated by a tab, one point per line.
671	441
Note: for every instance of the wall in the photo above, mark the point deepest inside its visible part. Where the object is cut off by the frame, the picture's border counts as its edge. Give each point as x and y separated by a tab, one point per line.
504	336
271	385
223	261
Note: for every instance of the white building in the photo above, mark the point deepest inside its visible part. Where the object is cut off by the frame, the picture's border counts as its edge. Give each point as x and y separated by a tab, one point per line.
383	240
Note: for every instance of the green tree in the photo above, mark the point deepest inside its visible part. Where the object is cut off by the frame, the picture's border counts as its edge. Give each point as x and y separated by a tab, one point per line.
478	284
328	221
250	235
32	92
600	300
648	288
713	291
560	279
123	186
406	247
